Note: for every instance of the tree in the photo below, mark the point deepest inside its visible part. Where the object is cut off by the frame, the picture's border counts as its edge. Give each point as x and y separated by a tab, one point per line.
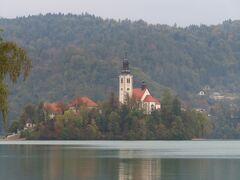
177	129
176	107
113	123
14	127
13	63
167	107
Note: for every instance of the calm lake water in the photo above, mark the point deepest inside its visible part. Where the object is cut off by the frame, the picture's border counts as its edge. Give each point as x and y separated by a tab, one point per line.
110	160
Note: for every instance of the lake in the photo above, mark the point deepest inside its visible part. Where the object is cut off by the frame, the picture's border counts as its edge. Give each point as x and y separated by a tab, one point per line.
110	160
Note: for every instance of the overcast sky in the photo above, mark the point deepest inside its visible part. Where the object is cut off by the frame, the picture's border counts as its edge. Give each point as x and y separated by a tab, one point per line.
182	12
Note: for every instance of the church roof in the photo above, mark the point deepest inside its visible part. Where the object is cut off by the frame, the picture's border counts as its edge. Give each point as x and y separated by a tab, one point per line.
84	100
150	98
138	93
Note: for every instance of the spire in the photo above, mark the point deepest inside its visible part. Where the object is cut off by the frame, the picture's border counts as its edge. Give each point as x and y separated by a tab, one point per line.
143	86
125	68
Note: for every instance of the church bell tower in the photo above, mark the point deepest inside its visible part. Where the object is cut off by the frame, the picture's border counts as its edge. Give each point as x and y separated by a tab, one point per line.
125	83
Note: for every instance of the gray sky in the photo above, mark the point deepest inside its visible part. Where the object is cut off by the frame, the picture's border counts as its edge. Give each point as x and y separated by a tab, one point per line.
182	12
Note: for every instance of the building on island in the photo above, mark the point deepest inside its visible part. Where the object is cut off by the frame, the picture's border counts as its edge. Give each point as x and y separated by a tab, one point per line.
126	91
202	93
29	124
55	108
82	101
217	96
148	102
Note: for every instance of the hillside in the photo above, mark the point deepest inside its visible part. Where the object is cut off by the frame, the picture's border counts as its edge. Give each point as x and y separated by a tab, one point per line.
81	55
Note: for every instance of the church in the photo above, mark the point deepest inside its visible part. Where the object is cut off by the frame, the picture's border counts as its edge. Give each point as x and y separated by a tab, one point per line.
147	102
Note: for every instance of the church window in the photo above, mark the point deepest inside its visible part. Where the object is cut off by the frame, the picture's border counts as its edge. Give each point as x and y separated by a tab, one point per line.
128	80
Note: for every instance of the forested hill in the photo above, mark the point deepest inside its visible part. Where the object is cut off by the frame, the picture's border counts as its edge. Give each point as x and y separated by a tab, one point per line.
81	55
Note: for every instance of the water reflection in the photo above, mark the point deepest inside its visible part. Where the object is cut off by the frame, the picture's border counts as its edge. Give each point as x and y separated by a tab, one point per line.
63	163
27	162
140	169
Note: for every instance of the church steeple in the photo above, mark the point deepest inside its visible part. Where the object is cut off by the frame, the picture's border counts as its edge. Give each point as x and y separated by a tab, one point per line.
125	82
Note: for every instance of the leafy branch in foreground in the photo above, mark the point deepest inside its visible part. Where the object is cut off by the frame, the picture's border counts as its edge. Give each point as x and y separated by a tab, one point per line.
13	63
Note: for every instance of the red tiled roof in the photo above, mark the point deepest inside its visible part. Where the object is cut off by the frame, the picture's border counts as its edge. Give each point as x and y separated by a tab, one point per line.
138	93
56	107
149	98
83	100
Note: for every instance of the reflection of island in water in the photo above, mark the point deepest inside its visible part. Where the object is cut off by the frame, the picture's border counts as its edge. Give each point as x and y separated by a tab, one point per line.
96	164
70	163
139	169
